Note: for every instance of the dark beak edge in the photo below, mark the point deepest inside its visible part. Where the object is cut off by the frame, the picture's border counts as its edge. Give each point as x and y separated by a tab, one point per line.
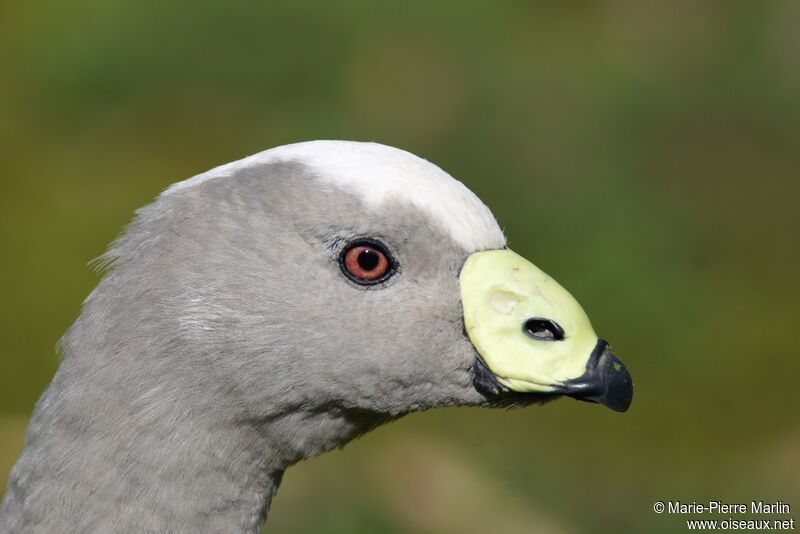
606	381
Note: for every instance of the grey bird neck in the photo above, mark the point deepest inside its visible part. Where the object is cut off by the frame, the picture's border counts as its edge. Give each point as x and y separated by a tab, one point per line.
100	448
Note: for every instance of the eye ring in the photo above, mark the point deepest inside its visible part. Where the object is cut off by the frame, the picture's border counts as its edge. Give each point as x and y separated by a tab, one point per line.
367	261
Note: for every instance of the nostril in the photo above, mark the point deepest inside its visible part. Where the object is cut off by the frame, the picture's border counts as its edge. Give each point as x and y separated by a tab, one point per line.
543	329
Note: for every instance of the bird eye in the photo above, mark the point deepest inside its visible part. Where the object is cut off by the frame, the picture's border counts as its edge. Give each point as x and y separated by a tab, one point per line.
366	262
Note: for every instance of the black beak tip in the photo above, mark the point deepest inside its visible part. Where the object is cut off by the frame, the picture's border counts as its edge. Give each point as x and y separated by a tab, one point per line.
606	381
617	383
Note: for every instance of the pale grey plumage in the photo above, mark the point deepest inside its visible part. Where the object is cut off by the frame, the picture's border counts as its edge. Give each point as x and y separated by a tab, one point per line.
223	345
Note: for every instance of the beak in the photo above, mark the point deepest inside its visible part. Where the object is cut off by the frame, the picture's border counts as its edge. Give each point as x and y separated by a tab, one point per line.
533	335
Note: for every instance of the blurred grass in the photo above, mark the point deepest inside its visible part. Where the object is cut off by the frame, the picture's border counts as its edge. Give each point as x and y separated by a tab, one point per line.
645	154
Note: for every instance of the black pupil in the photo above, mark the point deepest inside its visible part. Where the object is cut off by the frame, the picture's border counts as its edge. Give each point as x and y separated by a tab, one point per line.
368	259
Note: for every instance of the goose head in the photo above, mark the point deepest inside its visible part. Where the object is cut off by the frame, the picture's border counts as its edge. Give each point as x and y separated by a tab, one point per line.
358	277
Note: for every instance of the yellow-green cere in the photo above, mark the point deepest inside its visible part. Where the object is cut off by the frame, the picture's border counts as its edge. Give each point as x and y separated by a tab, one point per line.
500	291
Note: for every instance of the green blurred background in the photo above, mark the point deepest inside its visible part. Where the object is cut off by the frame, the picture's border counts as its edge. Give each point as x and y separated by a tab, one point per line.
646	154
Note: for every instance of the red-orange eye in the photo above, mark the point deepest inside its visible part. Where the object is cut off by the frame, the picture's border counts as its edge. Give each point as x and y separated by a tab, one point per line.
366	262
